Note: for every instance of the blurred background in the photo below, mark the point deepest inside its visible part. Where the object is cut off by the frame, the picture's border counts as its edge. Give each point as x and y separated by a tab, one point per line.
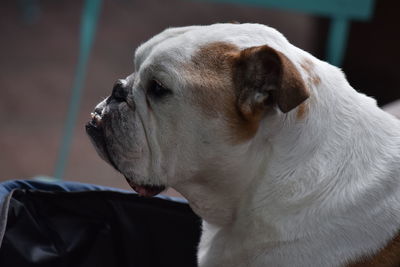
39	52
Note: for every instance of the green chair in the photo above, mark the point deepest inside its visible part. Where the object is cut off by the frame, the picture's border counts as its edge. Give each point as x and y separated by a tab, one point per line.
89	21
341	12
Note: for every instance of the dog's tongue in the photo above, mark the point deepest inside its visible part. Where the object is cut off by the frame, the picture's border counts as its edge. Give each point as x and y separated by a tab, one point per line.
146	190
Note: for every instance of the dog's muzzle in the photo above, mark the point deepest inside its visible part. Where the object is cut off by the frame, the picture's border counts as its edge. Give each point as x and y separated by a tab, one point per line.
95	127
95	130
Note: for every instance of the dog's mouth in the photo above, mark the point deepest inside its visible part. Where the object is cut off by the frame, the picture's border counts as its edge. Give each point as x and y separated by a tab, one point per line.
95	131
146	190
96	119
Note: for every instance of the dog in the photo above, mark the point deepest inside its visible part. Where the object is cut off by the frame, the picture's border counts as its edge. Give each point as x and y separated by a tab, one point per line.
283	160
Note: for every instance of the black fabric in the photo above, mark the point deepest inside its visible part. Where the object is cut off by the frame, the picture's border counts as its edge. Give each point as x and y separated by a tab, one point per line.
97	228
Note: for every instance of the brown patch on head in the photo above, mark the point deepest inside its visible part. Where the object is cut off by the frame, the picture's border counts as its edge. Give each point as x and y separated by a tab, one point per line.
389	256
308	67
210	73
243	86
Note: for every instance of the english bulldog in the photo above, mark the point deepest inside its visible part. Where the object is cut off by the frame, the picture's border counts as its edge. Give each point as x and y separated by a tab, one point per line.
283	160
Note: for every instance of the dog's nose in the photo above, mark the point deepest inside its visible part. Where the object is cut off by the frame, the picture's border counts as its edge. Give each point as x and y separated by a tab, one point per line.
98	110
119	92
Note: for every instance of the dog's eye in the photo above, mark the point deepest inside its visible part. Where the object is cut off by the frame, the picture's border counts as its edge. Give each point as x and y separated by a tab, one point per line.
157	90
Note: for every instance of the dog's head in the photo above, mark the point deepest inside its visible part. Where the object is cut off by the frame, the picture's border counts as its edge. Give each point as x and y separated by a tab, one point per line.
197	96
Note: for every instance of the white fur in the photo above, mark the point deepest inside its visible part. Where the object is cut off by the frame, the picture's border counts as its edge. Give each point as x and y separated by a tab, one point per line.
321	191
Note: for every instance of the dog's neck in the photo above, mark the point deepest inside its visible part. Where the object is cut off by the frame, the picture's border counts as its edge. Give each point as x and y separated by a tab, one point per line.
215	195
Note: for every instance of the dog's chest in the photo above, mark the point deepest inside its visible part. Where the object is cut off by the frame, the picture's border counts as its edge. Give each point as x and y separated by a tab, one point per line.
224	248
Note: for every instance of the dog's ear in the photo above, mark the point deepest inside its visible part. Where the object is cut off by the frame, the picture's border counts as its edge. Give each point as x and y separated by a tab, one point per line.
264	76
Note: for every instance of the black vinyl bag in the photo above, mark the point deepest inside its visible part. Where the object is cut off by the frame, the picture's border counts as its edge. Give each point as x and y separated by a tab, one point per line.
71	224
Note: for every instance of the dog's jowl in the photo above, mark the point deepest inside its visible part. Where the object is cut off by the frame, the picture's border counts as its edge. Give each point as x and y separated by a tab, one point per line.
286	163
